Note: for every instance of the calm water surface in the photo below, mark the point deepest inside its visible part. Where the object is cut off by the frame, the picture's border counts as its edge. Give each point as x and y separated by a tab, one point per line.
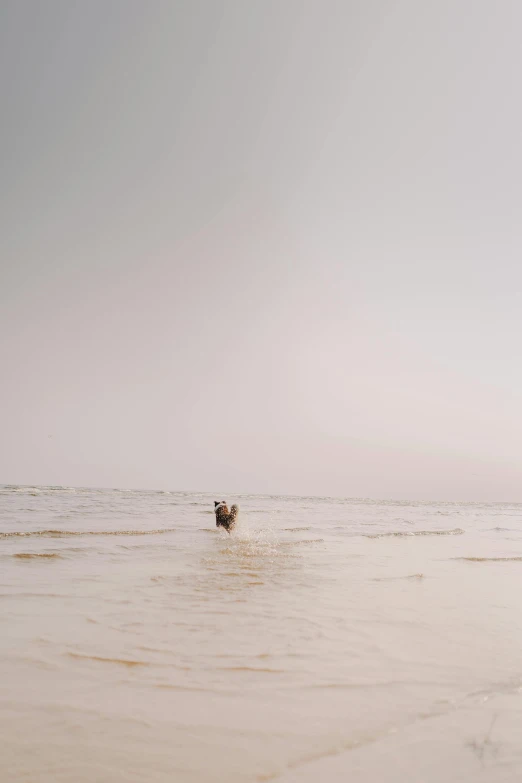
336	639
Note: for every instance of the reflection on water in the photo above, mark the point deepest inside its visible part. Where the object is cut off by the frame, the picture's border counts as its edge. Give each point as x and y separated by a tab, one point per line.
140	643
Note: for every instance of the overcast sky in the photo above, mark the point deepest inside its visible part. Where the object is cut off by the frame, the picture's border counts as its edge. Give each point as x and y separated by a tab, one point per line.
262	246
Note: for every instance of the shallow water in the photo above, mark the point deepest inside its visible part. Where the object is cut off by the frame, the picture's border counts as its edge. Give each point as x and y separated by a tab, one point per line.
338	638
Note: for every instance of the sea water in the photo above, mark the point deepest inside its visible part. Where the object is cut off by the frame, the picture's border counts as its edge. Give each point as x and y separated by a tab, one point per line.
325	638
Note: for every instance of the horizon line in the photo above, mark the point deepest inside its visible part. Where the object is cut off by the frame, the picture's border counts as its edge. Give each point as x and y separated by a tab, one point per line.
360	498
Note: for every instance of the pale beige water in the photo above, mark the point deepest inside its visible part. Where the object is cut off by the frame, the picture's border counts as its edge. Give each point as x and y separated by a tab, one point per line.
326	639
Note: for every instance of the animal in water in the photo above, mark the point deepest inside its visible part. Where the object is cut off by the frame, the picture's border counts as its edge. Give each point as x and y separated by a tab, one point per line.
224	517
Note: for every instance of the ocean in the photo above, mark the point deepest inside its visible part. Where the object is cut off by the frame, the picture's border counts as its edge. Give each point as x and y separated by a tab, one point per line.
334	639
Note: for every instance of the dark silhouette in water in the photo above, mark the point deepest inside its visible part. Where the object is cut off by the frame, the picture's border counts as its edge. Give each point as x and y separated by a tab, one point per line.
224	517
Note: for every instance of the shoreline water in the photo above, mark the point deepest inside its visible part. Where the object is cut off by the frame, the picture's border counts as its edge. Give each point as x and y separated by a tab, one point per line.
372	640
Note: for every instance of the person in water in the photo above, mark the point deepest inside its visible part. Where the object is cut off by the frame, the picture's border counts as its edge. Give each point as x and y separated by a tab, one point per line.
224	517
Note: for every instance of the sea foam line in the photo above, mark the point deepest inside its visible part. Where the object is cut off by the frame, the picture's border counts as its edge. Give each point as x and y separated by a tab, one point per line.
64	533
409	533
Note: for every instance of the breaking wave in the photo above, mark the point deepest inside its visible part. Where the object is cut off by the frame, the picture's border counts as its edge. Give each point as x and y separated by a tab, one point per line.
101	659
517	559
295	529
410	533
65	533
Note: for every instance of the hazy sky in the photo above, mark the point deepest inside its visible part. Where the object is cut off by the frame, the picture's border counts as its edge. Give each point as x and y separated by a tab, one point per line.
262	246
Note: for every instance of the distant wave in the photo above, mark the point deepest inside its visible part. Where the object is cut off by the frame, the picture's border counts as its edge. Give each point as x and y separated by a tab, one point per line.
415	577
122	661
28	555
35	490
64	533
249	669
408	533
490	559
